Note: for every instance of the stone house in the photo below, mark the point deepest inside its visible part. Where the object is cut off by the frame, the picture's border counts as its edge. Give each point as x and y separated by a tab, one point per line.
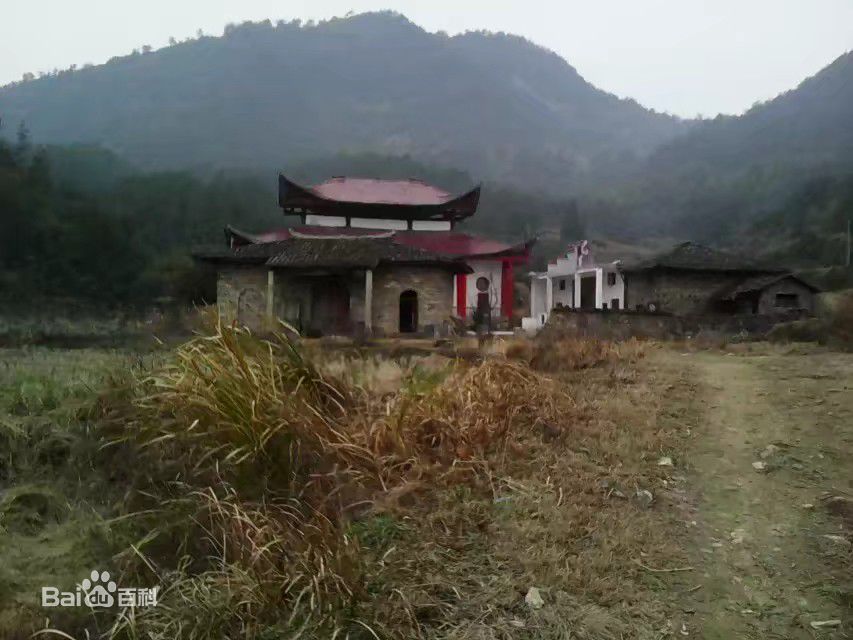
692	279
370	257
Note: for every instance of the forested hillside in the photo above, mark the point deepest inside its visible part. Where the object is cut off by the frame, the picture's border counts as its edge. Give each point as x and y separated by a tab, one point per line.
78	223
719	179
126	241
266	95
375	95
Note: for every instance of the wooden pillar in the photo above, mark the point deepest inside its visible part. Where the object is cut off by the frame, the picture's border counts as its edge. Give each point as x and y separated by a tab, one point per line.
271	298
368	301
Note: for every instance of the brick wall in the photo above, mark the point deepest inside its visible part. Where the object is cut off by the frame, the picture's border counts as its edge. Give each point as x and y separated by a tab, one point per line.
433	285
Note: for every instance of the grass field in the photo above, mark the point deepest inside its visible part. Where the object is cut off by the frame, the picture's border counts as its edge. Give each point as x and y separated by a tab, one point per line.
558	490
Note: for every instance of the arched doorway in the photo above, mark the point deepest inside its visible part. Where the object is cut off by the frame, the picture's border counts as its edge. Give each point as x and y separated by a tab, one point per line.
408	312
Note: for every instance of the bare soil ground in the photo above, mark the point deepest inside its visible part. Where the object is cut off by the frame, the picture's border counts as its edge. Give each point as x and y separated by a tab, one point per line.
770	547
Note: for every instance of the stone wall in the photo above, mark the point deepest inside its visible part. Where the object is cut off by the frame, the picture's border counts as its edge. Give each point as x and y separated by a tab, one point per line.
767	299
620	325
433	285
679	292
241	296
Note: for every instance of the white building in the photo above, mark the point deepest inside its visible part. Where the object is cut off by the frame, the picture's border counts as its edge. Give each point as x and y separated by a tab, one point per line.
576	281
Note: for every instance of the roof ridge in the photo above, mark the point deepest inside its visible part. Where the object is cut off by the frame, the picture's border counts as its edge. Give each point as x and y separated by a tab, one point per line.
339	236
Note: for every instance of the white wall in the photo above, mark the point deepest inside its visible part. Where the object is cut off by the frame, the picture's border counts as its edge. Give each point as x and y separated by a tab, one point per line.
491	269
565	295
614	291
379	223
538	305
604	293
326	221
430	225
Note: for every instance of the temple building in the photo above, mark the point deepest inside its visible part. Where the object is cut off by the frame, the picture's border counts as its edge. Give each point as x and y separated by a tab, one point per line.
366	256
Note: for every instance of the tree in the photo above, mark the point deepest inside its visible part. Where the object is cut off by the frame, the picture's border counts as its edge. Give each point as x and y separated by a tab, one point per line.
22	143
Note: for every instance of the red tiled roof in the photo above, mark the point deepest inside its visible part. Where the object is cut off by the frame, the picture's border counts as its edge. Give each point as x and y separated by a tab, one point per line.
373	191
444	242
452	243
373	198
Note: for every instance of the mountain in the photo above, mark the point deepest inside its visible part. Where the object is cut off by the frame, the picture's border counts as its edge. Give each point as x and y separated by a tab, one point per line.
808	126
264	95
718	179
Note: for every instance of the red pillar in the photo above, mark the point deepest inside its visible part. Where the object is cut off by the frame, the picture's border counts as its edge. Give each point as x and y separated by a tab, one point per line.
507	289
461	294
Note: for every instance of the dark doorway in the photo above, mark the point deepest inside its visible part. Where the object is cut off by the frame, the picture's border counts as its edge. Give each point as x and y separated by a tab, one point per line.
483	306
330	307
408	312
588	292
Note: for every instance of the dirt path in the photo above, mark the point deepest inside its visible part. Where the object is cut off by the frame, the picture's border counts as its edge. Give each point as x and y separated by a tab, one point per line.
763	566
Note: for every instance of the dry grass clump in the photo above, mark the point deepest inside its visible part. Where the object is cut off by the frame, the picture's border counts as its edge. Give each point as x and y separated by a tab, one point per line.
285	498
563	354
235	405
473	413
563	510
253	463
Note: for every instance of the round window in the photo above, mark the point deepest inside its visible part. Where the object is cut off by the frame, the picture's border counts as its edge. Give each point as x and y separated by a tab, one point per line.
482	284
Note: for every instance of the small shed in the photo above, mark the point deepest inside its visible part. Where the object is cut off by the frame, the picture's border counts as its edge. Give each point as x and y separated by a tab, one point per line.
771	293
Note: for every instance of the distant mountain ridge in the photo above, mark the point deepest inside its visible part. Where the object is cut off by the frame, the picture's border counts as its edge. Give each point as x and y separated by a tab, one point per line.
263	95
806	126
376	95
719	178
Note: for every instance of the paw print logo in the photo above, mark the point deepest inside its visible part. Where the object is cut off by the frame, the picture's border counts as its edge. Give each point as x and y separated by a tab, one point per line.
99	590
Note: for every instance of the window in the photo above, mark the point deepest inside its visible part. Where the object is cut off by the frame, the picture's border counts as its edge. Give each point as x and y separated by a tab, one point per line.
787	301
614	304
482	284
604	306
562	285
611	279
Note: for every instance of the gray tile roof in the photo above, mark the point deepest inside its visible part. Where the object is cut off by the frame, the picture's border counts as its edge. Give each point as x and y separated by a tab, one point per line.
758	283
690	255
334	253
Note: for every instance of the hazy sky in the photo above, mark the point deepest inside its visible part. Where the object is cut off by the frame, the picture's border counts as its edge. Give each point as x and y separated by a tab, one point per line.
681	56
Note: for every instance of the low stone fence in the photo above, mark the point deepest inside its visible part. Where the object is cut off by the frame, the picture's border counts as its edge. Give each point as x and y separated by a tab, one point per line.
616	325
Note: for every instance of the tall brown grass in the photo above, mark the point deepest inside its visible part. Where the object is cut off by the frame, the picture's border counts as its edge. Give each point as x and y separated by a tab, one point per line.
262	476
555	354
257	461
